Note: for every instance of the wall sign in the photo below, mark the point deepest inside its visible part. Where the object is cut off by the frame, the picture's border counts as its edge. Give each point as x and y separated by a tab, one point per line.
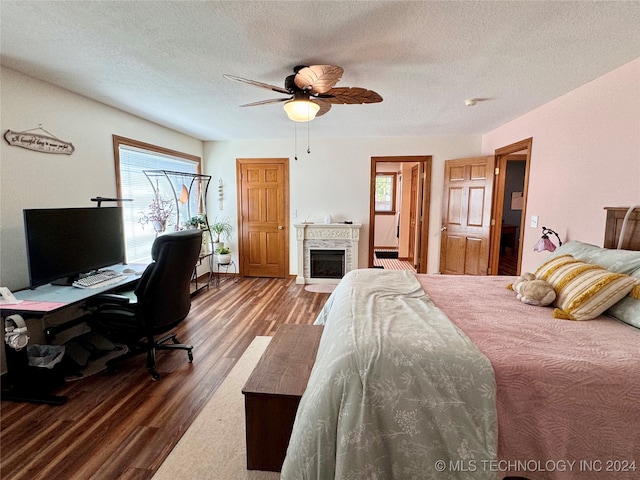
38	142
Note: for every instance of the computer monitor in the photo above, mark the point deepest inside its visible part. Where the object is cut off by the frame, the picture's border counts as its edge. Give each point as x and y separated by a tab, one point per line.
63	243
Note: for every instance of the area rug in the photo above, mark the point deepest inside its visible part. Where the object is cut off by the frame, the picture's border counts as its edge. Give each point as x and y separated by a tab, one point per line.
213	447
320	288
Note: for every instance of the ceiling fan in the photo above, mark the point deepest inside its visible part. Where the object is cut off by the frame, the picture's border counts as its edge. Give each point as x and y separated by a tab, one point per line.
310	92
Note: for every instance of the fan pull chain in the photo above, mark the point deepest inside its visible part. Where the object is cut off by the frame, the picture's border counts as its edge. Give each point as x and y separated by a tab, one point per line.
295	136
308	137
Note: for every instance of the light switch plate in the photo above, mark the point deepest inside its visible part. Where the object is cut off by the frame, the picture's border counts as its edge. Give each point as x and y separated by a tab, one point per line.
534	221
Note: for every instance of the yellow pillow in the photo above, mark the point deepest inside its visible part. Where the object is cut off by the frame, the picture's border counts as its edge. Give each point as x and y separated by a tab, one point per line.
584	290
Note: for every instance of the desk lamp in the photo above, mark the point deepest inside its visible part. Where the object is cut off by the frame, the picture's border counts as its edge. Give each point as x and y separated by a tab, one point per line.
107	199
545	243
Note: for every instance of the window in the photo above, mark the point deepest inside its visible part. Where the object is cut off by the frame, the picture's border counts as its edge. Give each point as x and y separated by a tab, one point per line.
131	159
385	193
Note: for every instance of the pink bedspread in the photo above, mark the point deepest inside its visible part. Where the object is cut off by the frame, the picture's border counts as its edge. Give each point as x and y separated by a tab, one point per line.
568	392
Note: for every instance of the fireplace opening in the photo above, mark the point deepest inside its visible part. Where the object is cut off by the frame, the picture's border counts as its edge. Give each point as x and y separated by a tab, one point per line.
327	263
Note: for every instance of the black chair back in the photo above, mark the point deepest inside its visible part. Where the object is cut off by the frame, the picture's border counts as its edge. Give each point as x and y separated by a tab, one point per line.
163	292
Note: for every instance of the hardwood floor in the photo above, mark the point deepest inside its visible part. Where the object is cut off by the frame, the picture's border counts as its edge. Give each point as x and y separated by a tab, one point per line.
123	425
508	262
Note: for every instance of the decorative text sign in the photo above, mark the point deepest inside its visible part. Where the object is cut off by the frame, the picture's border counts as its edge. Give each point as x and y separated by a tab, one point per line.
39	143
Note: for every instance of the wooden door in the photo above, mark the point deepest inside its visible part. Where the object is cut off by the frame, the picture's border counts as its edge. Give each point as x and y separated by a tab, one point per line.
413	214
466	216
263	203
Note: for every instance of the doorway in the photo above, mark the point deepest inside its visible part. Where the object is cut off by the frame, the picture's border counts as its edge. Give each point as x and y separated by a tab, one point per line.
509	207
399	212
474	204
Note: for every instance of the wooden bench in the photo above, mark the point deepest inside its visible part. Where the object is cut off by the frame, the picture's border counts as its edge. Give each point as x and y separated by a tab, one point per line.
272	393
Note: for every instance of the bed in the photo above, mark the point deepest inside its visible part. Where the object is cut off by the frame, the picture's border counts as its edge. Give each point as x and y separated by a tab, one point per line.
451	377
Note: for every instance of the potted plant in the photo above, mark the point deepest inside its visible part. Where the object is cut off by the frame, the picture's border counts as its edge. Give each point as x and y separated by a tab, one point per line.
223	256
197	221
220	229
200	221
160	211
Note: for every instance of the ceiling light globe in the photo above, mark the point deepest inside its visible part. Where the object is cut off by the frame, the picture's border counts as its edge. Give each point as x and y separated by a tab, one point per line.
301	110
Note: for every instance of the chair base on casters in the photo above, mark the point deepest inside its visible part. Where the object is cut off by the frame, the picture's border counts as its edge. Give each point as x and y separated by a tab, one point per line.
162	345
149	347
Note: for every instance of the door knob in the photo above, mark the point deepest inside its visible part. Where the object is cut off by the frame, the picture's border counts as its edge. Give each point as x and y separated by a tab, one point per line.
280	227
443	229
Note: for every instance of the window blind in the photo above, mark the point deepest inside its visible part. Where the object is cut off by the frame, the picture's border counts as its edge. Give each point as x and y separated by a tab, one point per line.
134	184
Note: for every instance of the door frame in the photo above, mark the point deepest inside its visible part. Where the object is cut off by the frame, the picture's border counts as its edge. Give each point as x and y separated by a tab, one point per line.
285	208
414	183
502	155
425	194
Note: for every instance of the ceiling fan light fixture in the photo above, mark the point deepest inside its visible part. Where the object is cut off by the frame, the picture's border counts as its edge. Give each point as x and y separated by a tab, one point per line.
301	110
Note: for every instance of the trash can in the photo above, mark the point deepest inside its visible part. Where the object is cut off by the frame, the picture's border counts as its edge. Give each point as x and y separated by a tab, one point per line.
45	356
44	370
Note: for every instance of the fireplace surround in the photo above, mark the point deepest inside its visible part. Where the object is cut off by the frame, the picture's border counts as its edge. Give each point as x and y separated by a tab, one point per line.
336	237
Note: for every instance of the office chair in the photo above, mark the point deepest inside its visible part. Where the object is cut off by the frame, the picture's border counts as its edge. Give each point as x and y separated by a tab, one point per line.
163	301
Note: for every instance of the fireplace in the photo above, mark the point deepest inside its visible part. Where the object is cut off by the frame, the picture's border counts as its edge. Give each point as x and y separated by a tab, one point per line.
327	263
335	245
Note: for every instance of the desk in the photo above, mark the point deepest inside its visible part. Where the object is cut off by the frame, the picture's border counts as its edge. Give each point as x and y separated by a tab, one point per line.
39	303
47	299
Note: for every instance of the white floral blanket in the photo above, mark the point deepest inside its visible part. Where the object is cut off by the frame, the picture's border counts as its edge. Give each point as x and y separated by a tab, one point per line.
397	390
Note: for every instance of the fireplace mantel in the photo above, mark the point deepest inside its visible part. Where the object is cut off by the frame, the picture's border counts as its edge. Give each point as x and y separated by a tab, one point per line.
343	236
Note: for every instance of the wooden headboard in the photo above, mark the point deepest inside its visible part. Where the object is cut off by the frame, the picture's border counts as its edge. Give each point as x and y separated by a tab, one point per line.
615	216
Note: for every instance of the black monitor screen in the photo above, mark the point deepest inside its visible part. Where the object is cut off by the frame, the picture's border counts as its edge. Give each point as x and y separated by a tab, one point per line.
65	242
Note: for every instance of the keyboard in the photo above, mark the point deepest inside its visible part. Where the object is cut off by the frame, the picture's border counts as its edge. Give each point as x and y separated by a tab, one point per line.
100	279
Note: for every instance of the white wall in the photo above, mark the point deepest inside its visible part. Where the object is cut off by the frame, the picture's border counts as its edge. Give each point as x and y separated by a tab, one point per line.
335	178
31	179
585	156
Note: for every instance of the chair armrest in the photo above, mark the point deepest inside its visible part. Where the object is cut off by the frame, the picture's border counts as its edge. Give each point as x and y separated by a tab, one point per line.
111	298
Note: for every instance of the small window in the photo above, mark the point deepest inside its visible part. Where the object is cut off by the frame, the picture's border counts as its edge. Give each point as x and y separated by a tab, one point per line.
386	193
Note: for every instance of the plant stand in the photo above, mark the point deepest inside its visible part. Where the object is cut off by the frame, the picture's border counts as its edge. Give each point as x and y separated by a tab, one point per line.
189	191
208	257
230	273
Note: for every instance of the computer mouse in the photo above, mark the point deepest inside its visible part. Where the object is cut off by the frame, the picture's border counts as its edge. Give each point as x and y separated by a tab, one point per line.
128	270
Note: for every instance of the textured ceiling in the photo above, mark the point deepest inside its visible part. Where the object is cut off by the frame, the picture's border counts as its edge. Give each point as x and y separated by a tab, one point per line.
164	60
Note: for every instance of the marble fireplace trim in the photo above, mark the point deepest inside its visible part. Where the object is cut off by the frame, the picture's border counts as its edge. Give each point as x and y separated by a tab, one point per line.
332	236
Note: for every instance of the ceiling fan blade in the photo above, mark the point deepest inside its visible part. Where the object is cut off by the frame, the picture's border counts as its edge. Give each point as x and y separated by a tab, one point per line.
266	102
351	95
325	106
258	84
318	78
